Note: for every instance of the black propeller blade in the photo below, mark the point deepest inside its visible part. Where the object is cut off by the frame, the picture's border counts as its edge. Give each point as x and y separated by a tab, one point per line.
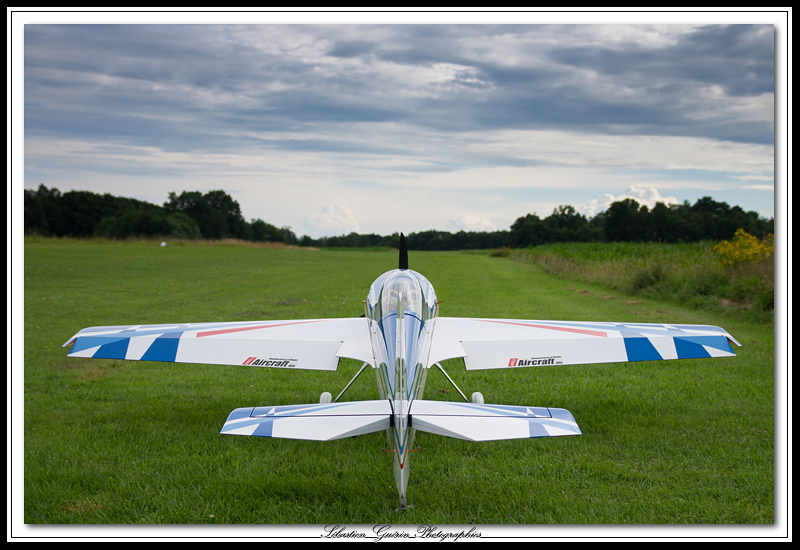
403	253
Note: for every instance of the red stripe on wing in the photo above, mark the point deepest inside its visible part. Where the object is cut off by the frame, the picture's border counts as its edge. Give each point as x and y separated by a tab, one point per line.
549	327
242	329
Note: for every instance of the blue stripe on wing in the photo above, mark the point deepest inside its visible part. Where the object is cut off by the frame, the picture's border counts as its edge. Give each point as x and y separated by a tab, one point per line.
163	348
113	350
641	349
687	347
109	347
692	347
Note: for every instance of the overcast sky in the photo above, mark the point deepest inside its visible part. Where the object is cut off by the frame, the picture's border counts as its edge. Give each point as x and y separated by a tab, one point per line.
385	128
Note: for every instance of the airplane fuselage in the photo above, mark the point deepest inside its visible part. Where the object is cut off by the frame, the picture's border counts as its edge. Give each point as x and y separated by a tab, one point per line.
401	308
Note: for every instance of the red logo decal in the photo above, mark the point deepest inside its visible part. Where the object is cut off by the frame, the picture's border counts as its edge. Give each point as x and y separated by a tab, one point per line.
249	360
512	363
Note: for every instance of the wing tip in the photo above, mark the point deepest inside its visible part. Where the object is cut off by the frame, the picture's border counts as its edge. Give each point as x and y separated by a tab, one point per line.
69	342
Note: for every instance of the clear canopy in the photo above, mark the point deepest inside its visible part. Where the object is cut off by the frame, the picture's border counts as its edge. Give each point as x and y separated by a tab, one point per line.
402	286
414	289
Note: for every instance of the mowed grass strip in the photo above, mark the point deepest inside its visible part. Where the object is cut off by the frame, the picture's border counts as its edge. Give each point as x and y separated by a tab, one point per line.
119	442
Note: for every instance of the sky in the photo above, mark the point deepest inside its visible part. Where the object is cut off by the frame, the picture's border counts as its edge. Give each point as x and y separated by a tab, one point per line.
383	127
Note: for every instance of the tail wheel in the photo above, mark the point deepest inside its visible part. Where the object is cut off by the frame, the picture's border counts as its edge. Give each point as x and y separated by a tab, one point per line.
325	397
477	398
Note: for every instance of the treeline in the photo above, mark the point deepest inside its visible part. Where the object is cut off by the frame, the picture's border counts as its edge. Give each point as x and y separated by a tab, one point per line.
424	240
627	221
190	215
624	221
215	215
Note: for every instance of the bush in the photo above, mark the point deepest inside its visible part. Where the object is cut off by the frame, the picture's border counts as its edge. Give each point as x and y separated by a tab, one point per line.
744	249
147	222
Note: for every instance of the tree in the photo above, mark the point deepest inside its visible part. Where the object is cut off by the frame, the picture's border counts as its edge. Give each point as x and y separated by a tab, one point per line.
526	231
262	231
216	214
626	221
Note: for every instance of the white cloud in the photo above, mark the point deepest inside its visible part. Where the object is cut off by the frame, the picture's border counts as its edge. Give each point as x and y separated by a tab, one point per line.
647	196
765	187
471	222
334	220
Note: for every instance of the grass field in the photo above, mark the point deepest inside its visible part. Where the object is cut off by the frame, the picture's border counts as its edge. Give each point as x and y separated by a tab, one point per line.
691	274
115	442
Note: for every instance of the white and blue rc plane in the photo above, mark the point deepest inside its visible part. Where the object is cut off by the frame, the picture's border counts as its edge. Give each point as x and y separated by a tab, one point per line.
401	337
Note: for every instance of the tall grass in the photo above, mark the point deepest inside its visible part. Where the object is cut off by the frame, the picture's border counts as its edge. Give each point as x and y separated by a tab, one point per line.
686	273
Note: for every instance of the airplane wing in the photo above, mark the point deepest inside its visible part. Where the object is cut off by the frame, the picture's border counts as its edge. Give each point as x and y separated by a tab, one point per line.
475	422
315	344
316	422
504	343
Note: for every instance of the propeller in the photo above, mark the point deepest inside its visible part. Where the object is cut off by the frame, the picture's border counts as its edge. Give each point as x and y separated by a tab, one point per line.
403	253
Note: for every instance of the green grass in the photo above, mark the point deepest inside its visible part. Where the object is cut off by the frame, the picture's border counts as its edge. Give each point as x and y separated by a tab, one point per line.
118	442
687	273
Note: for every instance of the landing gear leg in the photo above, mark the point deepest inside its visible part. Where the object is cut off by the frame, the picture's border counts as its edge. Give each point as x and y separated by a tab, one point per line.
451	381
351	381
326	396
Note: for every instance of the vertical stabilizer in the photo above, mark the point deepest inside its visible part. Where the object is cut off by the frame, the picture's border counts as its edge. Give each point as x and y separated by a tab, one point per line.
403	253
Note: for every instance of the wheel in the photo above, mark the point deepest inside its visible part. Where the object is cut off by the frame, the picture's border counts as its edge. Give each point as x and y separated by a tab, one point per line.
325	397
477	397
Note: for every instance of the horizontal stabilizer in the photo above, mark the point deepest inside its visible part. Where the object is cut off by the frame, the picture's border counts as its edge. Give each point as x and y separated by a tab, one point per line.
317	422
315	344
504	343
475	422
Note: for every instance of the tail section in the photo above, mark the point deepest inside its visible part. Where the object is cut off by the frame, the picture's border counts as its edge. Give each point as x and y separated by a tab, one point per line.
316	422
470	421
477	422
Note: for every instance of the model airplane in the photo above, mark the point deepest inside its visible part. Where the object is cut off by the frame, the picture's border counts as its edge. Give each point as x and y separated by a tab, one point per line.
401	337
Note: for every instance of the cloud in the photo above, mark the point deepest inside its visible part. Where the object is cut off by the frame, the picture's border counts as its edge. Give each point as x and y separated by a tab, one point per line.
764	187
137	81
493	121
334	220
647	196
471	222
